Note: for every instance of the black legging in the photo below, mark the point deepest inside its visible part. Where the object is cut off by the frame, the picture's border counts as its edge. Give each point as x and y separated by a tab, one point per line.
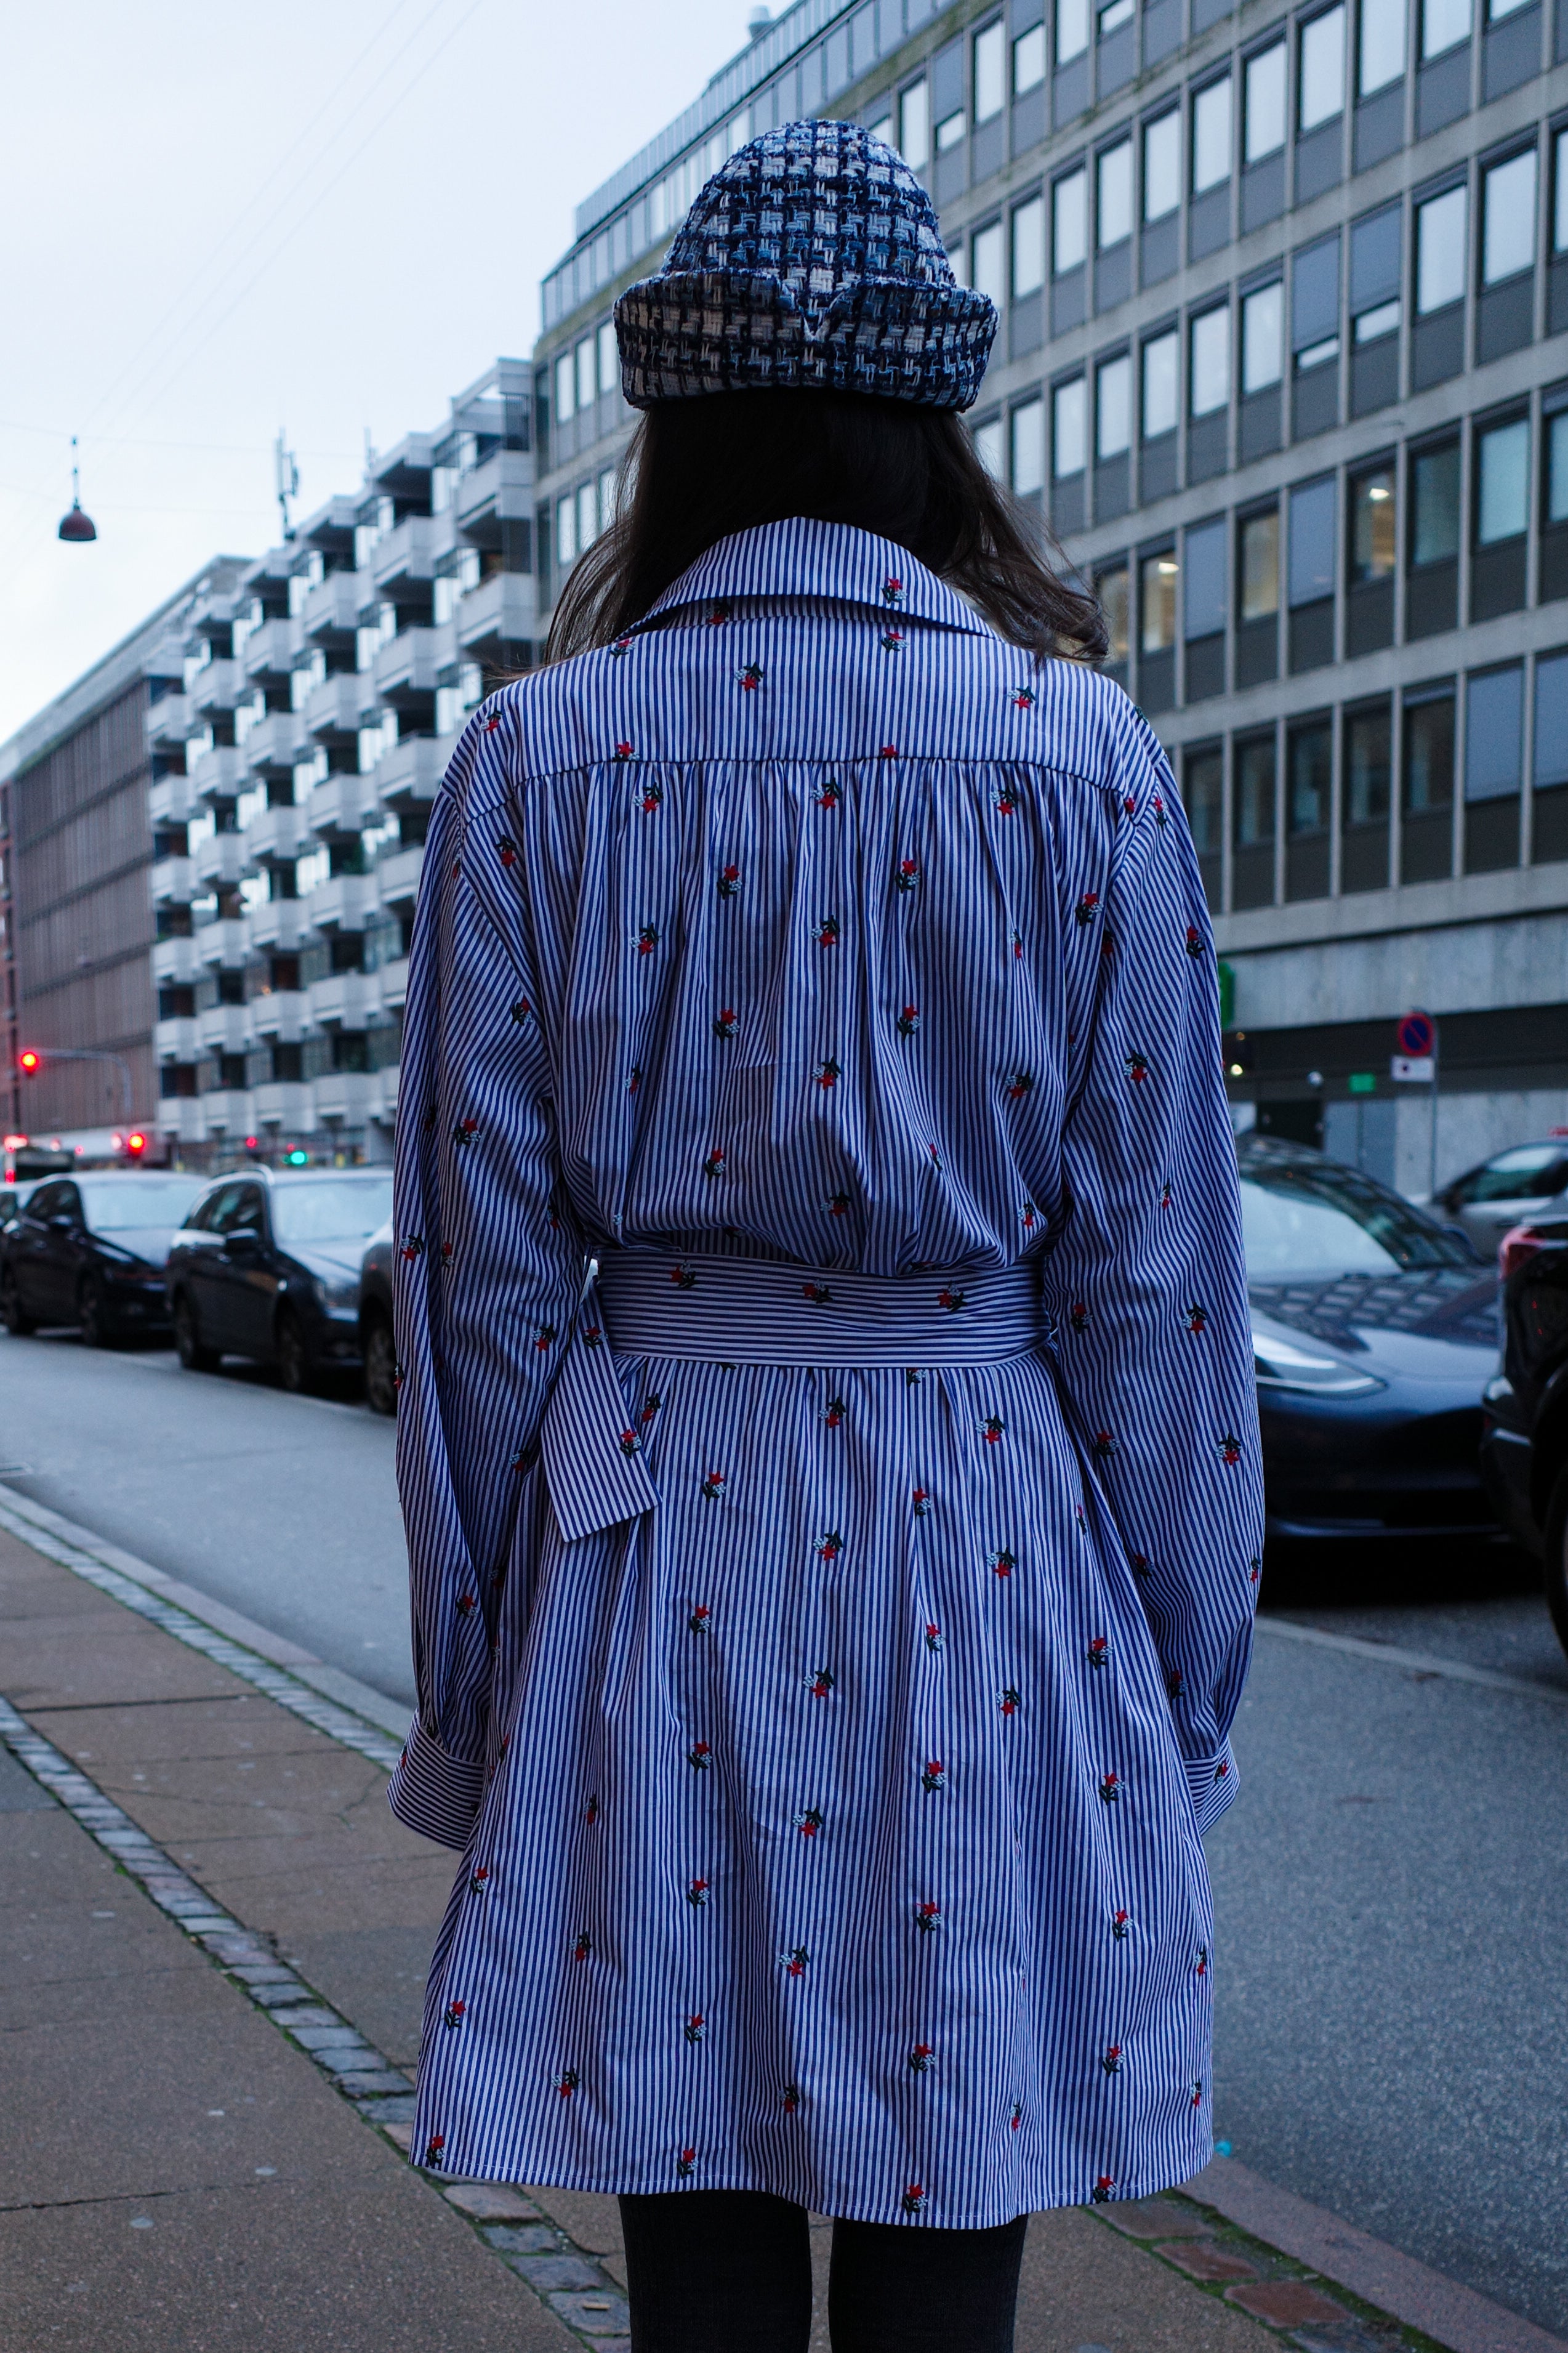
729	2271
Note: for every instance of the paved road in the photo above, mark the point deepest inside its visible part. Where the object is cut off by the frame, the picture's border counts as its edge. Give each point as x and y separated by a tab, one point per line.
1391	1890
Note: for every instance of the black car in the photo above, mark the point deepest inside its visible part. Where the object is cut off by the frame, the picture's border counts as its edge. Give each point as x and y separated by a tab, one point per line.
1524	1452
267	1265
1373	1334
90	1250
377	1348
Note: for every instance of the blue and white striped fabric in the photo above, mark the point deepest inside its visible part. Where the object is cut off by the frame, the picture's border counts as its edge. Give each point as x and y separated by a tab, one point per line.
830	1799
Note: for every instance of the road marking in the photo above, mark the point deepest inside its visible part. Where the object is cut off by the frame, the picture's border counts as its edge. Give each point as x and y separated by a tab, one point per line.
1416	1662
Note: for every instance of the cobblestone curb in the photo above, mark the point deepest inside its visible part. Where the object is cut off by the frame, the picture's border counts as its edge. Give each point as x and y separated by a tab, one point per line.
562	2274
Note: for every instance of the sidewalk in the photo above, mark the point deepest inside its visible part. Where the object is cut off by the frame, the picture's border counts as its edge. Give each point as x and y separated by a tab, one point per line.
213	1940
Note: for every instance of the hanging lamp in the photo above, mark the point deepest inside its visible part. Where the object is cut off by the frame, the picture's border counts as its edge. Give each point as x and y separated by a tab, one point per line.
76	525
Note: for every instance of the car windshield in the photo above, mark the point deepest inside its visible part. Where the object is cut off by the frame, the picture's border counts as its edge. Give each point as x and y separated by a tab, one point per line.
1298	1218
137	1203
1530	1171
345	1209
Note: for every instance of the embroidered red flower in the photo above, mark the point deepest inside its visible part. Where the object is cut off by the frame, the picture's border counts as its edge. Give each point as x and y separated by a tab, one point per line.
718	615
651	1404
807	1821
651	798
889	752
749	676
714	1164
1002	1562
827	933
729	882
1017	943
935	1641
464	1132
892	590
566	2081
1197	2099
648	940
699	1756
478	1879
1139	1564
493	723
830	796
623	751
819	1683
920	2058
621	648
1110	1788
1194	941
591	1813
434	2148
1174	1683
454	2013
1255	1569
1136	1067
933	1776
1016	2118
727	1023
1105	1446
697	1893
952	1301
928	1917
919	1501
1203	1964
790	2098
829	1547
909	1021
816	1294
466	1604
508	848
908	875
583	1948
684	1277
838	1205
1020	1084
1195	1318
1022	698
828	1073
914	2199
696	2027
412	1246
892	641
1158	805
1228	1448
794	1963
833	1412
1119	1926
630	1443
1111	2059
1006	801
1088	908
1098	1652
701	1621
993	1429
544	1337
712	1486
1009	1701
685	2163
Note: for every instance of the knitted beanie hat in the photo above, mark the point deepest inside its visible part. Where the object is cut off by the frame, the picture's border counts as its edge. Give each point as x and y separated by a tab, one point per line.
812	257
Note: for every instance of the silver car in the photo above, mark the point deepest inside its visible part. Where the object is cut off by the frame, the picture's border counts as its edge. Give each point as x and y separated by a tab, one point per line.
1504	1190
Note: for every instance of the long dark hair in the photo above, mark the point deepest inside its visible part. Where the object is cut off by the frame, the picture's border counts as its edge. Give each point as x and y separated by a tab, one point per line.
699	470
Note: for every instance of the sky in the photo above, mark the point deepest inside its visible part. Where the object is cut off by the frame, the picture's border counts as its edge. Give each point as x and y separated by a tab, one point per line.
322	215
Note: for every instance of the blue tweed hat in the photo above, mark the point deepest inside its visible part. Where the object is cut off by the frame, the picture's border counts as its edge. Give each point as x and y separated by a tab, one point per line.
812	257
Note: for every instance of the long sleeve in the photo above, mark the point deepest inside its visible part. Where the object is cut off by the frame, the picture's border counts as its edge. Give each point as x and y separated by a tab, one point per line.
1146	1288
488	1274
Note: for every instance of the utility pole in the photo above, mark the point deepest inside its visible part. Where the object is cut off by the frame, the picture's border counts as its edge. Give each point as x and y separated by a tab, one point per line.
286	474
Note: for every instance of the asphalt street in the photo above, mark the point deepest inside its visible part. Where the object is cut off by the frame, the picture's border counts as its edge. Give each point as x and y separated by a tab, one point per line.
1390	1889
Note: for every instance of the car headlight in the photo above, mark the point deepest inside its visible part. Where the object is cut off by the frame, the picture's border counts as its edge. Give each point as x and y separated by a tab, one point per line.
342	1291
1280	1364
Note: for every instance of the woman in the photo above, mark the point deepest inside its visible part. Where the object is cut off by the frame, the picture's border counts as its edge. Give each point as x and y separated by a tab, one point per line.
829	1622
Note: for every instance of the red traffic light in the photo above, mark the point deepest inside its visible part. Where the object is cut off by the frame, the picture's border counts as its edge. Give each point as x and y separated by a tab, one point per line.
136	1142
29	1061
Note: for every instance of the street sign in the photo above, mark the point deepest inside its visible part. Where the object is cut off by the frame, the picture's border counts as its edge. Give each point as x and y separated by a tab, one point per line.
1413	1069
1418	1039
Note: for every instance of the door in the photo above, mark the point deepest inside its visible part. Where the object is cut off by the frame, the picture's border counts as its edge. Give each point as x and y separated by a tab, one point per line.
205	1273
31	1249
249	1281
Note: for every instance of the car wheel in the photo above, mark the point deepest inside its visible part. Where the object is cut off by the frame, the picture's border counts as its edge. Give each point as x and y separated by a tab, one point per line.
1557	1557
11	1315
90	1319
194	1357
380	1366
291	1356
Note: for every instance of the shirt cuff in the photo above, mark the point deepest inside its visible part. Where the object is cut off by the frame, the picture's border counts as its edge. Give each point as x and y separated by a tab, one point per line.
1211	1785
434	1793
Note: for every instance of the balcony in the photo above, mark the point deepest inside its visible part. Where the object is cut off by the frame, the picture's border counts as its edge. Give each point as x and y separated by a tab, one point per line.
349	902
409	776
340	809
226	1110
173	882
281	1015
386	1095
271	651
173	801
501	610
221	775
408	552
226	1030
284	1104
169	720
501	491
330	608
277	741
217	687
275	836
349	1097
345	1000
176	1041
174	963
224	941
408	665
333	707
279	925
394	984
220	860
181	1119
399	876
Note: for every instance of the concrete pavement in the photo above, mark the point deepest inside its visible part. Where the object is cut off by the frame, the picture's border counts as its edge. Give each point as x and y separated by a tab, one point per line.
185	2172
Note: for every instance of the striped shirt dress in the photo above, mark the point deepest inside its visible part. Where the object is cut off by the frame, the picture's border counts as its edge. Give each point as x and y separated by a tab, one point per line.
828	1620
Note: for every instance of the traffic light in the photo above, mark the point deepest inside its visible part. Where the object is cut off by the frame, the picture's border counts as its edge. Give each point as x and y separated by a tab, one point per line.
136	1144
29	1061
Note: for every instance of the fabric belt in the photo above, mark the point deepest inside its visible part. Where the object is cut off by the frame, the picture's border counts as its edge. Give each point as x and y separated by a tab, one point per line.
740	1311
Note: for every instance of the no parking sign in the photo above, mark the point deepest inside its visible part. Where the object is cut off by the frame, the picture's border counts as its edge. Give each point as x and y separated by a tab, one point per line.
1417	1060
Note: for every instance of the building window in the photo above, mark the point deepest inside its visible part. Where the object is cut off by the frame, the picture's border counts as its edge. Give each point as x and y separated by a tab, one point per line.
1556	508
1309	793
587	371
1110	587
1263	102
987	274
1162	164
1494	739
1209	380
1441	241
1315	303
1161	385
1560	193
1112	15
1158	576
990	58
1382	55
609	368
1368	756
1374	536
1203	592
1321	90
1260	565
1203	791
1069	224
1508	217
1444	22
1114	195
1068	428
1252	807
1374	274
1028	432
1262	337
565	534
1502	482
1028	247
587	516
1211	136
989	447
1072	29
1434	504
1113	407
1426	786
914	125
1028	60
606	498
1312	542
565	388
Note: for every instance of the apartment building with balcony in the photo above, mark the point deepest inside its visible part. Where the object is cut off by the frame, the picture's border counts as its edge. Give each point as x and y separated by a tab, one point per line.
320	695
1284	361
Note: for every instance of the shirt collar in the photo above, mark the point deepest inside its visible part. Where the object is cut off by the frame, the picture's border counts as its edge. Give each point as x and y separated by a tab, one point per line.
801	557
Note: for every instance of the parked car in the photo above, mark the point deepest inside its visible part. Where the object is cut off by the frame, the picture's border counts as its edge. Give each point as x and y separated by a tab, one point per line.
267	1266
1487	1201
378	1351
1524	1451
13	1197
90	1250
1374	1334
